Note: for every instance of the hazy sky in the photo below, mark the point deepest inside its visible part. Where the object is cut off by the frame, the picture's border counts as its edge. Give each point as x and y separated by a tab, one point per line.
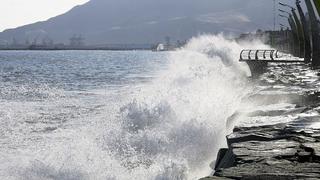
14	13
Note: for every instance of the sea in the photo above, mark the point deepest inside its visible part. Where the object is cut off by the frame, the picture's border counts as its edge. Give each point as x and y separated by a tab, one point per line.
120	115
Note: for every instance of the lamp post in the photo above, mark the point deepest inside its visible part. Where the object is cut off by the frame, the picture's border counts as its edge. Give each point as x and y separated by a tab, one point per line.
299	27
315	34
286	43
284	16
283	41
306	33
294	38
284	26
289	46
274	24
286	5
283	11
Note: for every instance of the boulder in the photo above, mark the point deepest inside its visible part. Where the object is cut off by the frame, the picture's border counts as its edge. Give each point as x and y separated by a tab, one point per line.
269	152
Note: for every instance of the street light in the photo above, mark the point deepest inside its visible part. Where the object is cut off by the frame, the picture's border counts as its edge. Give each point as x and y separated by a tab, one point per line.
281	15
284	26
286	44
287	5
283	11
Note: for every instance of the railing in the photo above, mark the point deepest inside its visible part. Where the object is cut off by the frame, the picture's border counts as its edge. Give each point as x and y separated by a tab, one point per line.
267	56
258	54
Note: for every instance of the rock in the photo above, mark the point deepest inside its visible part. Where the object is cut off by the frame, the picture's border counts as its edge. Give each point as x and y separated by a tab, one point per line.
263	133
254	151
226	159
279	170
215	178
269	152
314	148
221	154
295	111
304	123
266	113
267	99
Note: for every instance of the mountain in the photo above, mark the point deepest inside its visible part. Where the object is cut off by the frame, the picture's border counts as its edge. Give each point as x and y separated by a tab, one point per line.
147	21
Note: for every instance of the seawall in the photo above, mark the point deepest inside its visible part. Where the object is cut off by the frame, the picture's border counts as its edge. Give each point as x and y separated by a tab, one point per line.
284	141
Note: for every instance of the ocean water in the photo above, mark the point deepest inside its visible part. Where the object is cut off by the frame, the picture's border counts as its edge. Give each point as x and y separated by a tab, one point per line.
73	115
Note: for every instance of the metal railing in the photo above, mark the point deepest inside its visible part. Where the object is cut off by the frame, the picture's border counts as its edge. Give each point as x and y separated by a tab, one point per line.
267	56
248	54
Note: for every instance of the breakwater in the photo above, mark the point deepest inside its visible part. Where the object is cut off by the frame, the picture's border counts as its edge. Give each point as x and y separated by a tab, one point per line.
270	152
277	136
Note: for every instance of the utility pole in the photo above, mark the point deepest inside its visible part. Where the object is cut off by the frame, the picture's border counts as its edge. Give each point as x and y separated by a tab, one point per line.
274	24
305	29
315	34
274	15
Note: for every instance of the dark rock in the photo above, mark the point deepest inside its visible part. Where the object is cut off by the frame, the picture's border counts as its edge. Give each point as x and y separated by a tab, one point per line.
215	178
297	110
270	152
314	148
267	99
221	154
277	170
266	113
227	160
263	133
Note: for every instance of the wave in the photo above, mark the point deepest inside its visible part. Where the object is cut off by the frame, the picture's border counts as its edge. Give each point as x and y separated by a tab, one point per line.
174	127
170	128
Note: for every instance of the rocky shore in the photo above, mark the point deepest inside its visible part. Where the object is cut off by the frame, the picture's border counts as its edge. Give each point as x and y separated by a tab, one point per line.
279	137
279	151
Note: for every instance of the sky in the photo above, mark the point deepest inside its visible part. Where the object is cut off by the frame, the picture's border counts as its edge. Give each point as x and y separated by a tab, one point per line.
14	13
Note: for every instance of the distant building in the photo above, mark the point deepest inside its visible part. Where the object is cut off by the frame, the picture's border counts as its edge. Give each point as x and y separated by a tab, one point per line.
160	47
258	35
279	39
168	46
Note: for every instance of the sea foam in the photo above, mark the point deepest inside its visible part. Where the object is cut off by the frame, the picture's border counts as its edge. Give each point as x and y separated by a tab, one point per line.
169	128
174	126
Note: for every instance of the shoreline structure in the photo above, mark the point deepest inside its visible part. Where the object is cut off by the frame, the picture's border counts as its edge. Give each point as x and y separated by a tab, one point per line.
288	148
277	152
284	141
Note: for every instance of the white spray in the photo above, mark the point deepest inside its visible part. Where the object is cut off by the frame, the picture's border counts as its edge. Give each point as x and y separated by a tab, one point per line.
174	127
168	129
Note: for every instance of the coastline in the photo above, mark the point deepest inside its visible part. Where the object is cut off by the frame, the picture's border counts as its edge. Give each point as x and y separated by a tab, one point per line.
278	143
282	151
